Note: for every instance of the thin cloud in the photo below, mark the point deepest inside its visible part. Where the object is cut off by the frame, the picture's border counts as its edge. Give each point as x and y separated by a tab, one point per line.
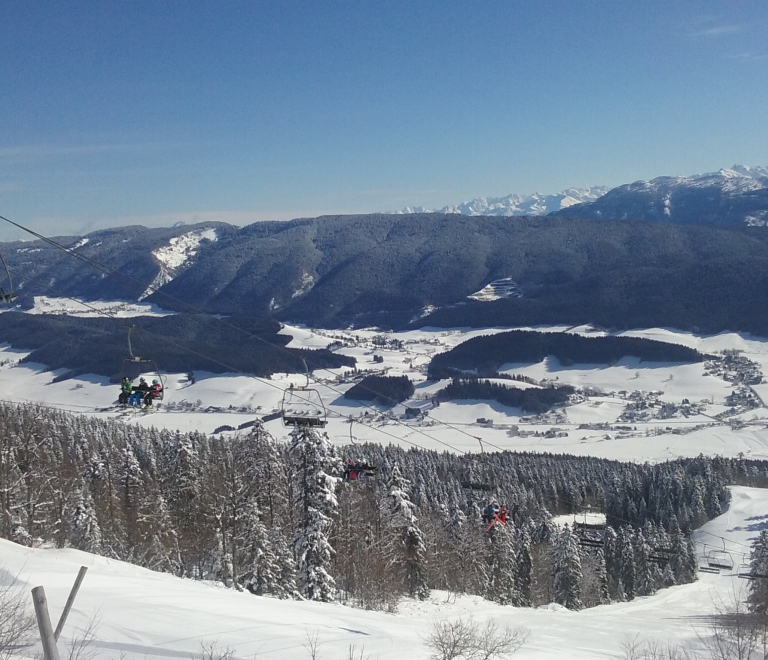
37	152
747	57
715	31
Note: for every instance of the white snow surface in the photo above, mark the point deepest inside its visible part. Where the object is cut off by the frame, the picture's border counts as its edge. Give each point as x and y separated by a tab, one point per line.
73	307
181	248
142	614
232	399
176	255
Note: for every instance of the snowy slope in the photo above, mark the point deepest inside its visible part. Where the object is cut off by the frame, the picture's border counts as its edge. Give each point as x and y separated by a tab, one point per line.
177	254
142	614
71	307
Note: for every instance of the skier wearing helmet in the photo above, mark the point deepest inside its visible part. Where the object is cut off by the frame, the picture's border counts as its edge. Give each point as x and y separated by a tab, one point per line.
154	391
138	392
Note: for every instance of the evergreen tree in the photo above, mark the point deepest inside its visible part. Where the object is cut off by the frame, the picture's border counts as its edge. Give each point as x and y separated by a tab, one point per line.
627	569
524	568
314	466
758	566
501	586
85	532
645	583
407	543
683	562
567	570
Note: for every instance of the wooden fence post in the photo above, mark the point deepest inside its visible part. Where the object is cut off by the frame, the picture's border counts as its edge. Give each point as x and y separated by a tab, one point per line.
44	624
70	600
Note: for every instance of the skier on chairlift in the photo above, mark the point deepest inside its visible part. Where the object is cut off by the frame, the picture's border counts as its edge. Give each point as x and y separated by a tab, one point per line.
139	392
126	387
153	392
355	470
490	512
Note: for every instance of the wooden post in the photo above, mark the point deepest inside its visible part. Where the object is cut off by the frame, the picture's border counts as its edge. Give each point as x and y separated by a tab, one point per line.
70	600
44	624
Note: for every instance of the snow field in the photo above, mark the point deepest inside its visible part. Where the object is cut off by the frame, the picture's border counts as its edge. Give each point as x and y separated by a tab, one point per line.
144	615
230	399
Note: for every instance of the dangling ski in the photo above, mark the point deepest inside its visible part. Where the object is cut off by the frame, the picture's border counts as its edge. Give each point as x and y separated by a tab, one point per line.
495	520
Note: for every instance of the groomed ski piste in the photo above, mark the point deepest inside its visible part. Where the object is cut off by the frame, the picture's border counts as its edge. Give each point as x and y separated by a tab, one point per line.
140	614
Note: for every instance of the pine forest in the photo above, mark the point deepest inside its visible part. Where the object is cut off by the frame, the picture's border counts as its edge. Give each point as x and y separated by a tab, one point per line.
301	520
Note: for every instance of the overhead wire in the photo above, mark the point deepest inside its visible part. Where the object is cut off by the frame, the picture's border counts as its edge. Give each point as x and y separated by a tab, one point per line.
231	368
155	289
332	412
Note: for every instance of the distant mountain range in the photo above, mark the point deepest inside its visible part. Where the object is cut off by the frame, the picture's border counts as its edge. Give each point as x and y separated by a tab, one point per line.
734	196
535	204
684	252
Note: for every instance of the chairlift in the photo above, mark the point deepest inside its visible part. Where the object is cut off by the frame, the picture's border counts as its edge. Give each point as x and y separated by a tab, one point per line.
469	483
135	366
303	406
704	567
660	555
7	297
357	470
720	559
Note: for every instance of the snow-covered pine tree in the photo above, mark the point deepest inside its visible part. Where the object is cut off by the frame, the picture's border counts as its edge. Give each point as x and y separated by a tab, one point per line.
626	557
683	562
266	564
84	530
758	566
406	542
567	570
313	465
524	567
613	564
645	583
501	586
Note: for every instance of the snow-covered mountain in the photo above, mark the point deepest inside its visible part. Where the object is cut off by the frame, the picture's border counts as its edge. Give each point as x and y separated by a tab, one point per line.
536	204
654	203
735	196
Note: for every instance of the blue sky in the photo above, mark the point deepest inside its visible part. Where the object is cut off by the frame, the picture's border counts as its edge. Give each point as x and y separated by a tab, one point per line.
154	112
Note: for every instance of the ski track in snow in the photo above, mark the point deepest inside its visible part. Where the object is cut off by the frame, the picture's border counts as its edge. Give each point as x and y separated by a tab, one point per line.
144	614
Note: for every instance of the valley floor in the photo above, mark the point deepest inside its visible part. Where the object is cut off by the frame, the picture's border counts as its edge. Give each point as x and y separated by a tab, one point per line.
593	426
141	614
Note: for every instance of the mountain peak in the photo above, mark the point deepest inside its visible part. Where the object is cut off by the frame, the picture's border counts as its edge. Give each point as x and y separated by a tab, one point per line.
515	204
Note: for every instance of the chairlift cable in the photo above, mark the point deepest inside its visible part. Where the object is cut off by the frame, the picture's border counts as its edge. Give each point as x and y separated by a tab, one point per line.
96	264
155	289
257	378
332	412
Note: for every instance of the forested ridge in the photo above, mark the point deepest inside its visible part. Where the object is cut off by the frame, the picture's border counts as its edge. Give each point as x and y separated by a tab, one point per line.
532	400
276	519
485	354
387	390
388	270
178	343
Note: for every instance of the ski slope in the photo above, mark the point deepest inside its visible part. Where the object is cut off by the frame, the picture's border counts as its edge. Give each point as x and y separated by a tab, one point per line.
141	614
